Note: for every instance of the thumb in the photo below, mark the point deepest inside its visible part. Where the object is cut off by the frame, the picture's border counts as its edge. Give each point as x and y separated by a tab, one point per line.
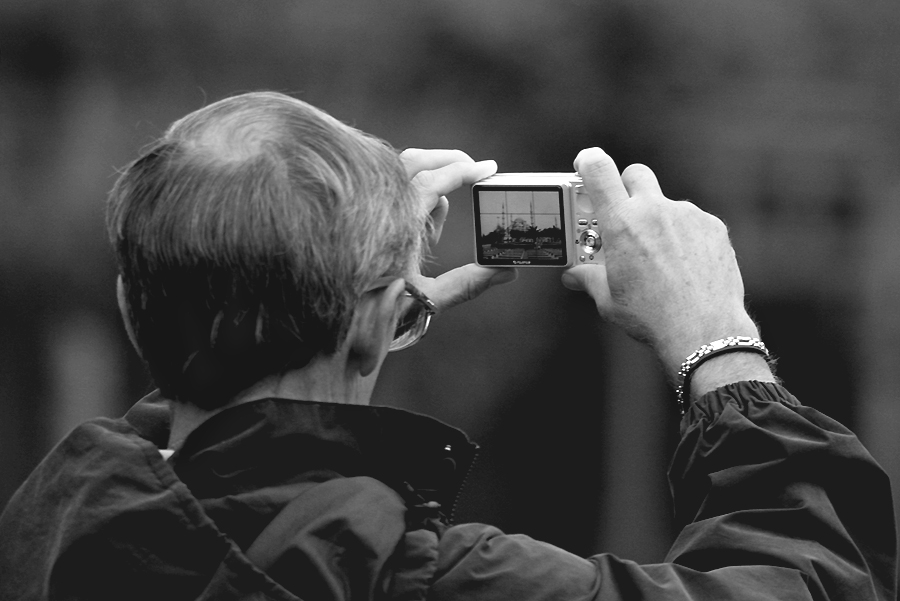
463	284
591	279
601	179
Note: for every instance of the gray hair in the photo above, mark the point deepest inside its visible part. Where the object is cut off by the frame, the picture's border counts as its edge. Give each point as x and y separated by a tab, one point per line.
246	235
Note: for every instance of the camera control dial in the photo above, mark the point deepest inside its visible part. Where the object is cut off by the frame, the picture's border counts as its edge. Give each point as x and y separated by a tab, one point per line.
590	241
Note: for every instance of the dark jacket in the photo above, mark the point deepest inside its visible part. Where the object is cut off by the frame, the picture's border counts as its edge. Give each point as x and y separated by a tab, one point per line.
281	499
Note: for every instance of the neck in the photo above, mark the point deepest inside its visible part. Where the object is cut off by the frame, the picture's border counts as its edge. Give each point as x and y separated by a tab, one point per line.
327	380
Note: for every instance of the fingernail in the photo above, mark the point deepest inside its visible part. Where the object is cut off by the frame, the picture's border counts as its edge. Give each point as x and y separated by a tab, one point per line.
584	152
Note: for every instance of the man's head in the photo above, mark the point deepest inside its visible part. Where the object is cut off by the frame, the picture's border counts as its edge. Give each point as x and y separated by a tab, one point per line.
246	236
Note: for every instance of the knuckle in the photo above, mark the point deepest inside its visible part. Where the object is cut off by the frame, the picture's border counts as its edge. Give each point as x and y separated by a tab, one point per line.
713	223
692	211
718	225
689	207
714	227
461	157
424	180
705	219
470	292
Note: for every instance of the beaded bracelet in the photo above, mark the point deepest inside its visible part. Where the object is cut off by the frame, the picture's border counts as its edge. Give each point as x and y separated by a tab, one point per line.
707	351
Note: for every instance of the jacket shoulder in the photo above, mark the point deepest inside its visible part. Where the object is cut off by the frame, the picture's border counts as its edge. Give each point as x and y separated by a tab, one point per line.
103	516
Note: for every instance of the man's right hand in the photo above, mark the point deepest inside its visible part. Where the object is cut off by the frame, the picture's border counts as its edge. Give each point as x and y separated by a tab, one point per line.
670	277
434	174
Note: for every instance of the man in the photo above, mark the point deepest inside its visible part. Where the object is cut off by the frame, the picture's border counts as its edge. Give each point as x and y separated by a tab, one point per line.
269	260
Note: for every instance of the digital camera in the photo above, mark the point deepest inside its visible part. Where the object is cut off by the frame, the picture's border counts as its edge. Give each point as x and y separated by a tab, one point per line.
534	220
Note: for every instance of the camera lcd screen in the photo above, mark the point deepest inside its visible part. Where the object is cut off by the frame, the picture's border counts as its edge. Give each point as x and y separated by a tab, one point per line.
517	225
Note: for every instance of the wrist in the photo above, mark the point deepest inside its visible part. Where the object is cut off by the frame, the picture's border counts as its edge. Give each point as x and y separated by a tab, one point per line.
727	369
713	374
673	351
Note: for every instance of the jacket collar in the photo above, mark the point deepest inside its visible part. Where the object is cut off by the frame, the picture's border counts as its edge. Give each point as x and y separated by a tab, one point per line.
274	441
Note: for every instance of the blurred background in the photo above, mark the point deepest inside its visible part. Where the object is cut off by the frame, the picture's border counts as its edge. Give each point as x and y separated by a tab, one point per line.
783	118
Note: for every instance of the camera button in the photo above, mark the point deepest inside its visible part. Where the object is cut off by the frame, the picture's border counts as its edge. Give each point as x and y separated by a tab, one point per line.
584	204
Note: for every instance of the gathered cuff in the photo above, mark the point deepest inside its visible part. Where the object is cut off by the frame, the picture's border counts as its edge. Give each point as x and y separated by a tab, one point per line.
742	396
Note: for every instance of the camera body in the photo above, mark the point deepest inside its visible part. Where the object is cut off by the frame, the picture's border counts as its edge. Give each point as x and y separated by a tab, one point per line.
534	220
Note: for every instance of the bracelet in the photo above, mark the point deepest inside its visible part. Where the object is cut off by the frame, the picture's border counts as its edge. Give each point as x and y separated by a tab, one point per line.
707	351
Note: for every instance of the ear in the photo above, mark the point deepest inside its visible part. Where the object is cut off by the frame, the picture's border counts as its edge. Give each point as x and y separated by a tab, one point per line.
126	315
372	329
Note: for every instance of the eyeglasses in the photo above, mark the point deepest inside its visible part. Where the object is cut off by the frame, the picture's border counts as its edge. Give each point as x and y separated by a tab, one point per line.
415	317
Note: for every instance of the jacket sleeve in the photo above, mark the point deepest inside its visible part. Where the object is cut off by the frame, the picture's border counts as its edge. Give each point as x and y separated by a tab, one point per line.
777	501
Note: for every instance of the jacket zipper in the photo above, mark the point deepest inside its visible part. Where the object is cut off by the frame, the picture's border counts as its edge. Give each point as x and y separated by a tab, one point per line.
459	491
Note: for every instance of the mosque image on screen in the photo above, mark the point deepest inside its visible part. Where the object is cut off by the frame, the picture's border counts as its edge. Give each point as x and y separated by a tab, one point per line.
521	227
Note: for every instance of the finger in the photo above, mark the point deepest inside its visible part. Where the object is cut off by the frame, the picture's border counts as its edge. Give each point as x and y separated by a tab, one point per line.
419	159
438	216
432	184
639	180
463	284
591	279
601	179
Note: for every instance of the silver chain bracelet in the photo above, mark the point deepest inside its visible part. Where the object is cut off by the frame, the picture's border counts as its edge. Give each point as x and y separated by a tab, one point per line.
707	351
